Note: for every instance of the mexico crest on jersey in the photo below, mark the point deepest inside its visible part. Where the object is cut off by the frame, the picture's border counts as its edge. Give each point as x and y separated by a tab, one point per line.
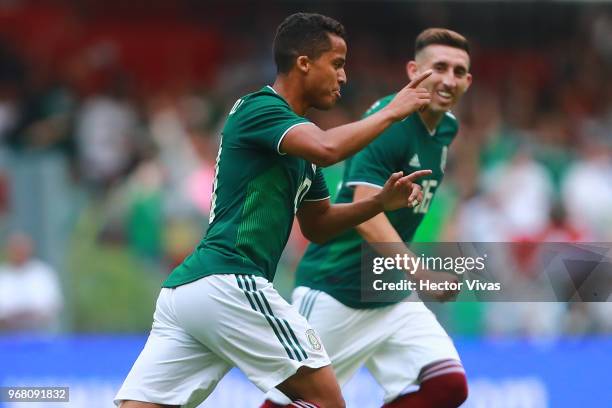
313	339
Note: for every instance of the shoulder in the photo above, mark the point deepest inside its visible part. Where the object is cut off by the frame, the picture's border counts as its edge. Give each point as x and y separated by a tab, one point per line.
448	128
450	122
265	97
258	109
378	105
40	268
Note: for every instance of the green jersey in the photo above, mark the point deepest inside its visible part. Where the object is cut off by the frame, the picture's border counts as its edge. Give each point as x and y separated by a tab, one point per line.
335	267
256	192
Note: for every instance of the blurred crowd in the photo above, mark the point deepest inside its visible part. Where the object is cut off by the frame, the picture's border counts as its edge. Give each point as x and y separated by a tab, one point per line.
117	124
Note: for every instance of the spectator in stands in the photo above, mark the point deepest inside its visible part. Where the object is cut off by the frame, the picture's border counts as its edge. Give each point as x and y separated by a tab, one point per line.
522	174
30	295
43	117
587	189
106	135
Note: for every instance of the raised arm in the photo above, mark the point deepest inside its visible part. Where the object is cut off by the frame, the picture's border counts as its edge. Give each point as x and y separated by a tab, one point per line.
326	147
320	221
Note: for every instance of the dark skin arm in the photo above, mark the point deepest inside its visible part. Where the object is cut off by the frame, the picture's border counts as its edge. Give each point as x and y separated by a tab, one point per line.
326	147
379	230
320	221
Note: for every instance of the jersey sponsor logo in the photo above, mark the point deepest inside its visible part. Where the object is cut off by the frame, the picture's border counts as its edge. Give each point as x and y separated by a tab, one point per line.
313	340
415	162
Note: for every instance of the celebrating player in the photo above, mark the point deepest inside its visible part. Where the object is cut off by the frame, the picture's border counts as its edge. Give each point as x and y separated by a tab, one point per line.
218	309
402	344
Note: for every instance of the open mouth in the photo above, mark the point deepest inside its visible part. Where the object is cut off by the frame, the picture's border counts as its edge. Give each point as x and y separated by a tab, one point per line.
445	95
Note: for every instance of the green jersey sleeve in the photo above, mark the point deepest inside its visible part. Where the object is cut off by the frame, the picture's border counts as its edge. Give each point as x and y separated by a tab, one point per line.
267	119
318	190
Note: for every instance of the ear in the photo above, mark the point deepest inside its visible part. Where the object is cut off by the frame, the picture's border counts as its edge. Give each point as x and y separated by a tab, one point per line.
302	63
411	70
469	81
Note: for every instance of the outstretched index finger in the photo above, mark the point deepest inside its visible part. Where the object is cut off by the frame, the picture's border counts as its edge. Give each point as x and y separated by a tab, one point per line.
420	78
418	174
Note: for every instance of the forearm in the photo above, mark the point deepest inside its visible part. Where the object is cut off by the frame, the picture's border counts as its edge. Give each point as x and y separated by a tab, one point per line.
346	140
327	147
382	235
378	229
320	221
385	240
340	217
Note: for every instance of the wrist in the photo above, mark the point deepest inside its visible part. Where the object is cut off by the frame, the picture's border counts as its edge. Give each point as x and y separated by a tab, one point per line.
389	115
379	202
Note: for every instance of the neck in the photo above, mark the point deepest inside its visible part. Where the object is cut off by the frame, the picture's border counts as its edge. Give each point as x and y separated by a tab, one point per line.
431	119
291	90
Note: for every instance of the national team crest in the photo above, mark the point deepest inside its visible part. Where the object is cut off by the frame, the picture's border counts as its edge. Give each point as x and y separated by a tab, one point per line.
313	339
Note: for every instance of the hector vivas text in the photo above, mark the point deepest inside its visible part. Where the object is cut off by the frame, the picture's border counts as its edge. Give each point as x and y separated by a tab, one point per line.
412	264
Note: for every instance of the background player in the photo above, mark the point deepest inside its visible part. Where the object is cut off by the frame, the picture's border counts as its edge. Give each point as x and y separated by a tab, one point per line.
402	344
218	309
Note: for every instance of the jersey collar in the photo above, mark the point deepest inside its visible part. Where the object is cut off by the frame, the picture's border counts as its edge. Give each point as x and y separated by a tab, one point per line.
269	87
431	133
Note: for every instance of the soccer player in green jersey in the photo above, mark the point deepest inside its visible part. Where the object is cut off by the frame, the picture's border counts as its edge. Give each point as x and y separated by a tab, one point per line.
218	309
401	343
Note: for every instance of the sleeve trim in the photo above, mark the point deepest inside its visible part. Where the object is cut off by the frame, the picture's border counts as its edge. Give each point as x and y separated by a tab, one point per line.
316	199
361	183
285	133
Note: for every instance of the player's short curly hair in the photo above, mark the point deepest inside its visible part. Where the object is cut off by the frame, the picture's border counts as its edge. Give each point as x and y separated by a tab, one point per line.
303	34
441	36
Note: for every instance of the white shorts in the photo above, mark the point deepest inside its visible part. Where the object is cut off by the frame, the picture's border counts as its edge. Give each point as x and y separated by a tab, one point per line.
202	329
393	342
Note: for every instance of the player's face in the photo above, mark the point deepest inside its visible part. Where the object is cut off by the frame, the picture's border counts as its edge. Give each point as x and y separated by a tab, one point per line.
326	75
450	78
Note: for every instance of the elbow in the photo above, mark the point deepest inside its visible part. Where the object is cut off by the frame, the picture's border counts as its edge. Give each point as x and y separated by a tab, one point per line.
365	233
318	239
361	230
315	236
327	155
